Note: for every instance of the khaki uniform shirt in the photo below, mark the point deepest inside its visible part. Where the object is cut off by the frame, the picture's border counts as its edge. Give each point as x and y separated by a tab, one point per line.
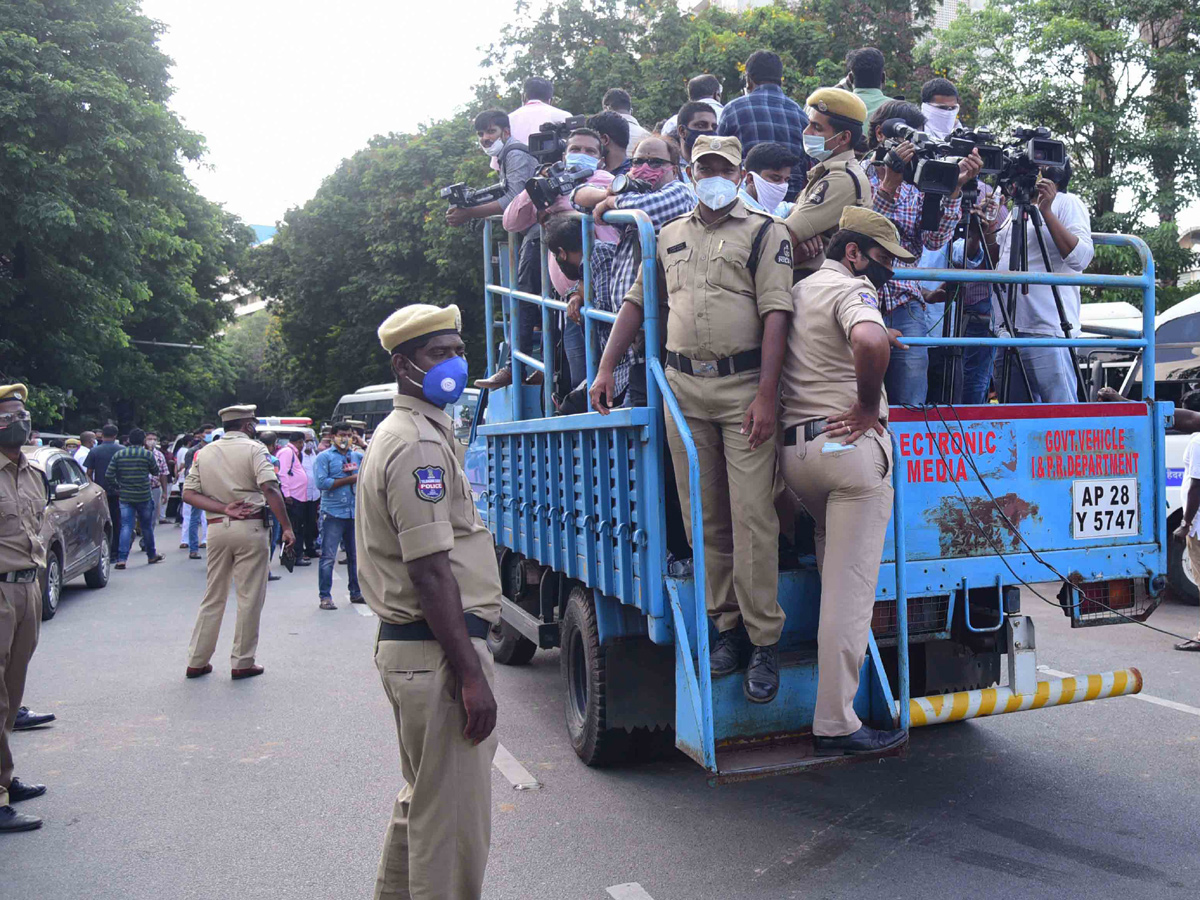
715	304
818	375
233	468
833	185
414	500
22	509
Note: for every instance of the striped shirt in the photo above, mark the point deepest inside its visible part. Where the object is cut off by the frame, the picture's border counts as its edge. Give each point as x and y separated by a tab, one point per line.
131	469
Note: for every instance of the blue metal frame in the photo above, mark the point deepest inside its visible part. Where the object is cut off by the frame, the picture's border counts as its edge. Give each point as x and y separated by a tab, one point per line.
622	557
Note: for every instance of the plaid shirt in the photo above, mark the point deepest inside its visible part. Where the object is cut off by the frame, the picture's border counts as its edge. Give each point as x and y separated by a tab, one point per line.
603	254
162	469
768	114
904	210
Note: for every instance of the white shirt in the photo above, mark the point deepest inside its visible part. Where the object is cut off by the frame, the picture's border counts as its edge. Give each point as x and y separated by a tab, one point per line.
1191	469
672	123
81	454
529	118
636	131
1037	313
308	460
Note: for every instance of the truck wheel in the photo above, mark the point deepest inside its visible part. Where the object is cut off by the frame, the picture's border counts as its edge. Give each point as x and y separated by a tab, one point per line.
1180	576
585	679
509	647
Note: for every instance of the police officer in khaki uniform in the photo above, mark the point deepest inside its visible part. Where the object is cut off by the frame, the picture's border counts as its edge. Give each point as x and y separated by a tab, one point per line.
727	272
427	569
835	126
22	554
233	481
837	458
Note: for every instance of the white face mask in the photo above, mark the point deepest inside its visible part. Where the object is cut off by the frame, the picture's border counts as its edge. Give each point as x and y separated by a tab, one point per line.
495	149
939	122
770	195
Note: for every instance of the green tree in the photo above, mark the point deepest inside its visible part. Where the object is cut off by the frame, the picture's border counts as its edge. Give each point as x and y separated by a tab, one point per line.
104	239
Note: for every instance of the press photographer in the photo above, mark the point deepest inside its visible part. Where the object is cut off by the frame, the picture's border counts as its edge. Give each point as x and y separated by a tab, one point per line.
894	166
1058	223
516	164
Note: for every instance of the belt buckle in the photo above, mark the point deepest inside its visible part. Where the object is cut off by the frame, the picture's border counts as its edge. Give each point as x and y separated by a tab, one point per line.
703	368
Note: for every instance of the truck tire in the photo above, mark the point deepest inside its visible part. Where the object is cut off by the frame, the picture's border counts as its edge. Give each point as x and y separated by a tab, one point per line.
509	647
582	661
1180	576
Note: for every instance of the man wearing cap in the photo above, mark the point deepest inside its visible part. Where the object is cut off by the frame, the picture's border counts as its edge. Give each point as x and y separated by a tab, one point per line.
835	126
837	458
727	272
426	571
233	480
22	554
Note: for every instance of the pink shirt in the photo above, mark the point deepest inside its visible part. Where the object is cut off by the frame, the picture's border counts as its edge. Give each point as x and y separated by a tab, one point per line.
521	213
293	480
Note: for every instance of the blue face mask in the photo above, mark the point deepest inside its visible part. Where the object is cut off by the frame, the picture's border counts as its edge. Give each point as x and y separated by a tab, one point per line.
581	161
716	192
445	382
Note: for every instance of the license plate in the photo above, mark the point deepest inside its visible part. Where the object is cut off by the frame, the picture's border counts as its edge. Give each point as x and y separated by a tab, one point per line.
1104	507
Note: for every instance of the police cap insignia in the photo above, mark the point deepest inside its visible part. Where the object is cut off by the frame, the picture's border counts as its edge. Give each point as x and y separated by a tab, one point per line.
431	483
784	256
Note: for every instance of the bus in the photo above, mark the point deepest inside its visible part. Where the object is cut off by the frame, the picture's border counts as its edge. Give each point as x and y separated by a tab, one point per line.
372	403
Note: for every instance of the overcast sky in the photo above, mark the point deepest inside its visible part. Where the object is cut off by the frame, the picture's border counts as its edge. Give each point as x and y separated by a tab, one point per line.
283	90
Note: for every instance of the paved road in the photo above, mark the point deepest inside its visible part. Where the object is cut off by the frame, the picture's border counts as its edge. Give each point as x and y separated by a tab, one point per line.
281	786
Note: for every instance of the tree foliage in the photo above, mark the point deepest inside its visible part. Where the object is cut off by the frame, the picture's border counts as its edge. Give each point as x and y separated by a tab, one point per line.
103	239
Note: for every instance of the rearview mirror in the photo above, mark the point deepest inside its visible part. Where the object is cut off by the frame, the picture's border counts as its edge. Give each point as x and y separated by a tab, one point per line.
65	491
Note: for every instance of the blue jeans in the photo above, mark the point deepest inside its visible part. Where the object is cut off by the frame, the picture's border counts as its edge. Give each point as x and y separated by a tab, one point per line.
576	352
977	363
144	511
337	532
907	377
193	535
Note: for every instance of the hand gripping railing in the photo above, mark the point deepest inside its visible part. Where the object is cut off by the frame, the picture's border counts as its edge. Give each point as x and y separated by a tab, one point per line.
1145	342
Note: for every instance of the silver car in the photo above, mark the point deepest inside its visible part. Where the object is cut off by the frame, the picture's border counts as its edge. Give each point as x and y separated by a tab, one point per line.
78	531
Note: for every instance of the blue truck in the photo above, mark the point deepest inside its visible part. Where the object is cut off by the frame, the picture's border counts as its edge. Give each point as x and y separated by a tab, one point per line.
987	499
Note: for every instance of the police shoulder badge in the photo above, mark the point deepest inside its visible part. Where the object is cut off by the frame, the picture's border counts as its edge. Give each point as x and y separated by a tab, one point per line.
869	299
431	483
818	196
784	256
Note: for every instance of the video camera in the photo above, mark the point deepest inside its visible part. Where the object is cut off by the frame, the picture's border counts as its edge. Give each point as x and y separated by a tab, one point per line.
463	197
1029	151
557	181
927	172
962	142
549	143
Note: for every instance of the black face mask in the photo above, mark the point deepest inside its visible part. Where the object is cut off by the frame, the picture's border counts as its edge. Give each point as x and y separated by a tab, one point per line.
569	269
14	434
690	138
877	273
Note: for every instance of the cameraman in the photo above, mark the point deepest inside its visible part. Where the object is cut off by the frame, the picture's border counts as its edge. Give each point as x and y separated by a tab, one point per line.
1067	230
614	136
582	152
898	200
656	165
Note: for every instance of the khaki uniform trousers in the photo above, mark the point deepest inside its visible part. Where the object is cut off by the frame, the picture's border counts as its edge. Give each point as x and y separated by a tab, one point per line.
436	846
20	619
237	549
849	494
741	527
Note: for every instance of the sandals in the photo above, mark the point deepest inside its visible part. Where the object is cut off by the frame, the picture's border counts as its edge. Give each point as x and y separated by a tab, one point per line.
1192	646
327	603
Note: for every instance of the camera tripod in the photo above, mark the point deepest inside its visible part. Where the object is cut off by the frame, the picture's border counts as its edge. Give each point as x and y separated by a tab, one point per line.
954	321
1025	211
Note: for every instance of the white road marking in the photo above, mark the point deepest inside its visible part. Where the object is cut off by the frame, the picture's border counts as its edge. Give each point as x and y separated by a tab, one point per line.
1148	698
517	775
363	610
631	891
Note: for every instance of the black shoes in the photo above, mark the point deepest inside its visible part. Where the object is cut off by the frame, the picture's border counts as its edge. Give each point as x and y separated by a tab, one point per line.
865	741
19	790
730	651
762	675
271	576
359	598
301	562
27	719
11	820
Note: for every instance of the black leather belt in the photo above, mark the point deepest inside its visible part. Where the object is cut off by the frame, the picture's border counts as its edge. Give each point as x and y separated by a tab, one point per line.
21	576
420	631
811	431
716	368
